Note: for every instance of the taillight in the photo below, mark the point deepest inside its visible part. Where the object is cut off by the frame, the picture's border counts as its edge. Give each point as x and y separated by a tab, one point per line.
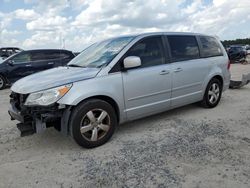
228	64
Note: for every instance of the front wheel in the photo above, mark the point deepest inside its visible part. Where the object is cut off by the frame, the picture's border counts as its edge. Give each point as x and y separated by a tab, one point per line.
2	82
93	123
212	94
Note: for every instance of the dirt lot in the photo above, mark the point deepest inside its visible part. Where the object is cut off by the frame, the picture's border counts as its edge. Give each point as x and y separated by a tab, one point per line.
186	147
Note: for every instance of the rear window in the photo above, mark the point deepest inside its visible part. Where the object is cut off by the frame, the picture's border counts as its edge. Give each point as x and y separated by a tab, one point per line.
236	49
210	47
183	48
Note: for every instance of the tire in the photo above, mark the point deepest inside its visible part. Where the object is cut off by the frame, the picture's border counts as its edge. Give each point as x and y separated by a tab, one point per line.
212	94
86	129
2	82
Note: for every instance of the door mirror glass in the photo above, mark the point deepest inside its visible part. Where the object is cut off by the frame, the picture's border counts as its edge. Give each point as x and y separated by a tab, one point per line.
10	62
131	62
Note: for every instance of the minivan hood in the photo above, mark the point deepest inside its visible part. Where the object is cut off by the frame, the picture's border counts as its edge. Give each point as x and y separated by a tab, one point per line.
53	78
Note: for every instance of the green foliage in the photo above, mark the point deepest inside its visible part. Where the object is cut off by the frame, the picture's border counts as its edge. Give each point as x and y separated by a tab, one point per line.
236	41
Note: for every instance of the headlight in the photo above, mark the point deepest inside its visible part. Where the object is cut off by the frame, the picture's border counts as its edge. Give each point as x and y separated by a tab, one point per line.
47	97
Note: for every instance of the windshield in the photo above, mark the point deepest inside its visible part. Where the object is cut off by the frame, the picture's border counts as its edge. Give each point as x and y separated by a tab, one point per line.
100	53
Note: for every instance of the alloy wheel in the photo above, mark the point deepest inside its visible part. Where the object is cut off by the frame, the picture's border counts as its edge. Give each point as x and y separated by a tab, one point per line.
95	124
214	93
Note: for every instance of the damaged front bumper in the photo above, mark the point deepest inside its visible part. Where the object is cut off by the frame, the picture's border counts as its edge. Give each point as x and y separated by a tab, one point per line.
36	119
238	84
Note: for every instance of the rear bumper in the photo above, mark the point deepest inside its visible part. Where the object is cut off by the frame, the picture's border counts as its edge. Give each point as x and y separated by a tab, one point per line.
226	86
226	77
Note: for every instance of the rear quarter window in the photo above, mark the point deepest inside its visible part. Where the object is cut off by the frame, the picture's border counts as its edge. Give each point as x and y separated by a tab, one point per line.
210	47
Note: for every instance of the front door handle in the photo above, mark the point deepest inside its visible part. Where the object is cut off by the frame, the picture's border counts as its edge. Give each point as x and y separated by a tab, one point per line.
51	63
163	72
27	65
178	70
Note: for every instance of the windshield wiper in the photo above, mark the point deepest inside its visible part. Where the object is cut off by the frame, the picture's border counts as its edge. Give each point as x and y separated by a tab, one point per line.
75	65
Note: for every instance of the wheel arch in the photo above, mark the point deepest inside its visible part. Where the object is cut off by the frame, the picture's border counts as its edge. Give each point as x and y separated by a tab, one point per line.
107	99
219	77
216	75
4	78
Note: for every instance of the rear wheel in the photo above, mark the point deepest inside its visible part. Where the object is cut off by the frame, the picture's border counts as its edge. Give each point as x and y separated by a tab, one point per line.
93	123
212	94
2	82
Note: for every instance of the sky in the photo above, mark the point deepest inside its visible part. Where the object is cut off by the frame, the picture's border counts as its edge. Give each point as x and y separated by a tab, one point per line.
75	24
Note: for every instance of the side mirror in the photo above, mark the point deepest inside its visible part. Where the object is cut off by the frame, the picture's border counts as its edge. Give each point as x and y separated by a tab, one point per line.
131	62
10	62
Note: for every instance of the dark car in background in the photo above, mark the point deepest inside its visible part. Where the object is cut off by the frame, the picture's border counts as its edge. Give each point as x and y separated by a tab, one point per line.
8	51
236	53
31	61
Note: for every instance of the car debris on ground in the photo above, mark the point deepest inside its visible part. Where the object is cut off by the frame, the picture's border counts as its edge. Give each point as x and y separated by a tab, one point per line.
236	84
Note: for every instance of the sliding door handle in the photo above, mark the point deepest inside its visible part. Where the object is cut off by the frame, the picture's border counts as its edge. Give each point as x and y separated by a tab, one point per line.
178	70
163	72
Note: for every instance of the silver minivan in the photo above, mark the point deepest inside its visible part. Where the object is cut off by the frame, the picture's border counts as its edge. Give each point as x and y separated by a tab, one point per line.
119	80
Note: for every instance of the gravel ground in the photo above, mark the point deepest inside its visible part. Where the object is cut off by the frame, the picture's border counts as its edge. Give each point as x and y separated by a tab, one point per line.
185	147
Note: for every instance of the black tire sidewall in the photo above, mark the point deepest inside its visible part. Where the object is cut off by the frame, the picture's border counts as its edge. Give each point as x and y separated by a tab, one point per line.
80	111
206	97
4	82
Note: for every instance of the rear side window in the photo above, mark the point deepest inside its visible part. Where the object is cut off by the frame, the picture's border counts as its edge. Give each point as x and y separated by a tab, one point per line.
57	55
183	48
150	50
37	56
43	55
65	55
210	47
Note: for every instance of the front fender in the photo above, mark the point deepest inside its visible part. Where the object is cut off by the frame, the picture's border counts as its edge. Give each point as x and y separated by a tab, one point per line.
110	86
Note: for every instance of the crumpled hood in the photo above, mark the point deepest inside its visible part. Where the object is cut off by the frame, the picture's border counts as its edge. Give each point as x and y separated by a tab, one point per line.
53	78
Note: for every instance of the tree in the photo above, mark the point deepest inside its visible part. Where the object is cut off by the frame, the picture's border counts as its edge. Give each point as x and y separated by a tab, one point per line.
236	42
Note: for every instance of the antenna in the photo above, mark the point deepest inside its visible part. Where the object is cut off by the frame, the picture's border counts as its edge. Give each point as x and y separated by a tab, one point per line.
63	43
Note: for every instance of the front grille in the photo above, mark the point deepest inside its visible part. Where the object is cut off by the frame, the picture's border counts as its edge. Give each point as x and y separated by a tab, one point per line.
18	99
